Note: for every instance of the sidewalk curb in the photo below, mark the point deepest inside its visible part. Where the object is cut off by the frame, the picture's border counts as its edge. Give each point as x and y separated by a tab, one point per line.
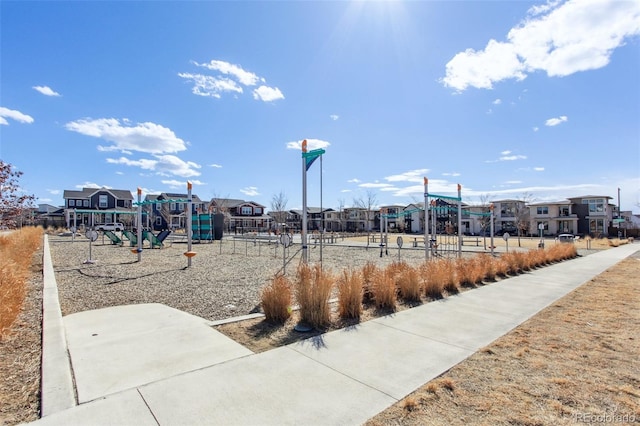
56	393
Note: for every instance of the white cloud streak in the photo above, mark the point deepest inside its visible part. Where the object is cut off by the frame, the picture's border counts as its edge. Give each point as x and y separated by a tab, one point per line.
311	144
143	137
250	191
14	115
229	78
46	90
559	38
556	120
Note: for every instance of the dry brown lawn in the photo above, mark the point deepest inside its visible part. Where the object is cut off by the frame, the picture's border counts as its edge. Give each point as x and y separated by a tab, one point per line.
578	361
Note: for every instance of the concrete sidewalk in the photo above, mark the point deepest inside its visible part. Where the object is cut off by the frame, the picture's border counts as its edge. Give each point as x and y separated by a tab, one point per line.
342	377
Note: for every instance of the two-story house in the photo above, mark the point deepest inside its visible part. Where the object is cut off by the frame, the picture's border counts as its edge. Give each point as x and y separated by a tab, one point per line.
511	216
91	206
594	213
241	215
169	210
553	217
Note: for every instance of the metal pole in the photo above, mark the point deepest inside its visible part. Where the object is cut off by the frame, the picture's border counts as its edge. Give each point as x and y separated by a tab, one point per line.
321	214
459	220
427	237
303	233
189	220
139	225
491	228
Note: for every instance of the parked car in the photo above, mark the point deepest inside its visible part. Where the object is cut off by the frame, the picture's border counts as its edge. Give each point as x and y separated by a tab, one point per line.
566	238
112	226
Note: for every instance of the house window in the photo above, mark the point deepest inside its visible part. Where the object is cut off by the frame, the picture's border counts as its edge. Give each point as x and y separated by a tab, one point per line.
258	210
542	210
507	209
102	201
159	221
564	211
172	207
246	211
596	226
72	203
596	205
85	203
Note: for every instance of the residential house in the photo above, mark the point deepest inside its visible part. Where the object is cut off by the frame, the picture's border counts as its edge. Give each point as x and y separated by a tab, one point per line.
91	206
358	219
393	216
553	217
509	215
169	210
595	214
315	218
47	215
241	216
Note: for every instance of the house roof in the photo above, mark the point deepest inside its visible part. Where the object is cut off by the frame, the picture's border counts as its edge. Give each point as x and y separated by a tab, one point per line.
121	194
233	202
585	197
172	196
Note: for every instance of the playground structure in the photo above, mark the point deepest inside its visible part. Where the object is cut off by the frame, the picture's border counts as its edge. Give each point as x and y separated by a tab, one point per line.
207	227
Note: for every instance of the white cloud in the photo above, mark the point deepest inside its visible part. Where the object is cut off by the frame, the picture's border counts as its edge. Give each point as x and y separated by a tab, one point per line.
215	166
559	38
505	152
512	157
513	182
53	191
267	94
556	120
497	102
354	180
409	176
229	78
538	169
245	77
454	174
250	191
46	90
334	117
143	137
375	185
91	185
14	115
345	190
311	144
535	129
205	85
163	165
178	184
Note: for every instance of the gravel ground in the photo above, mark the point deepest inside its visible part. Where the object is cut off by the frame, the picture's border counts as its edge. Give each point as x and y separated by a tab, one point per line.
224	281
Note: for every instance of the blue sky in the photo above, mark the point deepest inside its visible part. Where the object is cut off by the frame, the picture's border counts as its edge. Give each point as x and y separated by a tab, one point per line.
506	98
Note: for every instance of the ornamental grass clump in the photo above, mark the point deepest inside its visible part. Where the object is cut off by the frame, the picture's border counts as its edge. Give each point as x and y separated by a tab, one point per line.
350	290
384	289
369	270
464	271
432	285
447	272
313	287
488	266
16	255
409	284
276	300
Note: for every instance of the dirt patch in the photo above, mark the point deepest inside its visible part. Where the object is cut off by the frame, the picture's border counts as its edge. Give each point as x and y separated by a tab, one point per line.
20	356
576	361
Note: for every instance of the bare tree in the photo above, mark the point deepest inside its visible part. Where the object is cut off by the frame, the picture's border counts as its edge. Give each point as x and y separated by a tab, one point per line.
13	202
367	203
279	206
341	216
522	215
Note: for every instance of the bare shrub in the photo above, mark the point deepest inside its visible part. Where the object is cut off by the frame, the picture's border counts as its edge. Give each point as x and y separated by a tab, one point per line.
488	266
276	300
464	271
350	288
447	272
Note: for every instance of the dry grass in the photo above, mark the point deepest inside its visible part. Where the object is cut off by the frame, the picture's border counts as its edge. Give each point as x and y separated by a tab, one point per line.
384	289
433	287
313	288
446	271
409	284
350	289
369	271
16	251
573	361
276	300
